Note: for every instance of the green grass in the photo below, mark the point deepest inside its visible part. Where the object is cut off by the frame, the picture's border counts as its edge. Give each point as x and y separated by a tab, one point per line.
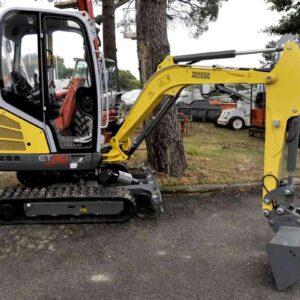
214	155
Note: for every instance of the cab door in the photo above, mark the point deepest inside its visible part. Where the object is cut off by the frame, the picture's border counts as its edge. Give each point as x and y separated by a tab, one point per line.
37	132
73	119
22	119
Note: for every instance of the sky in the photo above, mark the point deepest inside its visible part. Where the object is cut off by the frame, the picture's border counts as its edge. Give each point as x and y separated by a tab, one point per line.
238	27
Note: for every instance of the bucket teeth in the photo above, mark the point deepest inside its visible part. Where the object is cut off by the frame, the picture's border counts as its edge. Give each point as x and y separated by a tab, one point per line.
284	256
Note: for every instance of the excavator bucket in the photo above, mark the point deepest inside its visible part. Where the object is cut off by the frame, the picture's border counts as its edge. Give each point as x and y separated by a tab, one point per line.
284	256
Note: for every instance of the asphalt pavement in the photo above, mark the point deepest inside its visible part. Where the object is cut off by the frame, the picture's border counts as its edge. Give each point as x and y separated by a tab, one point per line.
203	247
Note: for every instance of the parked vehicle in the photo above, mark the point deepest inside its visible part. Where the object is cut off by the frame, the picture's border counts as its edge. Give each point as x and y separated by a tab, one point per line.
200	111
224	101
239	117
194	103
236	118
130	97
216	99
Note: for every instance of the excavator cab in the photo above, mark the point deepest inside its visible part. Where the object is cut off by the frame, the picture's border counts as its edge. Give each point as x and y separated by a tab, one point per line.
56	145
38	51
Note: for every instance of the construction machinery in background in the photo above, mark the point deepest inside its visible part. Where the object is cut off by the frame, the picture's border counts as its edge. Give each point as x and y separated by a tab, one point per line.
258	114
128	23
114	105
223	101
114	108
232	106
237	117
221	104
73	177
193	102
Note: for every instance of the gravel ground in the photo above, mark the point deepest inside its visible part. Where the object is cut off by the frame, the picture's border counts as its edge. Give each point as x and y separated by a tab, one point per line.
203	247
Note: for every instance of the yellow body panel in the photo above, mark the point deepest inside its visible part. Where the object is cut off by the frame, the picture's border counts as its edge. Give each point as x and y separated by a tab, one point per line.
283	102
18	136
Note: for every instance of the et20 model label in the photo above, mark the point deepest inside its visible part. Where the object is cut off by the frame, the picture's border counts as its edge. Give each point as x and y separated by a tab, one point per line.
201	75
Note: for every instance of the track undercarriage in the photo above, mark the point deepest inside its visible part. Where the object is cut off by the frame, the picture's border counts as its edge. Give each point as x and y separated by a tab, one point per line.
82	202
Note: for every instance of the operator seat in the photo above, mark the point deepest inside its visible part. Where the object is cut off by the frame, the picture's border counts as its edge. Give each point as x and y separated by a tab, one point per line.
68	109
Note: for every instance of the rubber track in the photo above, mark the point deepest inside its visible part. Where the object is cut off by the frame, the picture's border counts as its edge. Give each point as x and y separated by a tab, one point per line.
55	193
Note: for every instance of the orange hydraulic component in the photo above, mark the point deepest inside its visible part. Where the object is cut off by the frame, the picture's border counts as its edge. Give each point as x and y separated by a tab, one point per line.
111	117
223	105
258	117
87	5
107	136
69	106
227	106
184	120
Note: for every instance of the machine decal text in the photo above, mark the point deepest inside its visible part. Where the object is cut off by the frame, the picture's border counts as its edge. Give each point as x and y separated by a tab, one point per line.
201	75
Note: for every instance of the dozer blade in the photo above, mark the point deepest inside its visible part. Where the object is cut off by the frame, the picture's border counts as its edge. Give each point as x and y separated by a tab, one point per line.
284	256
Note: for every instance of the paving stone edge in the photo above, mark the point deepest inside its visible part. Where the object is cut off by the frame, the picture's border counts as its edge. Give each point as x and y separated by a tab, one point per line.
205	188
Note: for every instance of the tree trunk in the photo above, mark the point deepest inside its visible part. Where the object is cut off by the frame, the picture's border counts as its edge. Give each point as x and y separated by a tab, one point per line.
164	144
109	35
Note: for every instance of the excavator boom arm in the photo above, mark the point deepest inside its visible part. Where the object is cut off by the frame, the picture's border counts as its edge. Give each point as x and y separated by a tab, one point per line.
169	80
281	104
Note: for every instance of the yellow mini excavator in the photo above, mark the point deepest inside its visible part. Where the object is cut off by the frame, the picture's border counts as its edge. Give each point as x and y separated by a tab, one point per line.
74	175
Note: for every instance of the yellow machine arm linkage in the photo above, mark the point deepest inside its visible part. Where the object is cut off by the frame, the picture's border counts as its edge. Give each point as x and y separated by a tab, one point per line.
282	102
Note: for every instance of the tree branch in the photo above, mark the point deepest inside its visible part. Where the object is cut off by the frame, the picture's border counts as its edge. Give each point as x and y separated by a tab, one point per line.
120	3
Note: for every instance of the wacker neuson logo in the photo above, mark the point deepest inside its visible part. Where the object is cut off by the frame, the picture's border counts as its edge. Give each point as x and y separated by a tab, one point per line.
201	75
